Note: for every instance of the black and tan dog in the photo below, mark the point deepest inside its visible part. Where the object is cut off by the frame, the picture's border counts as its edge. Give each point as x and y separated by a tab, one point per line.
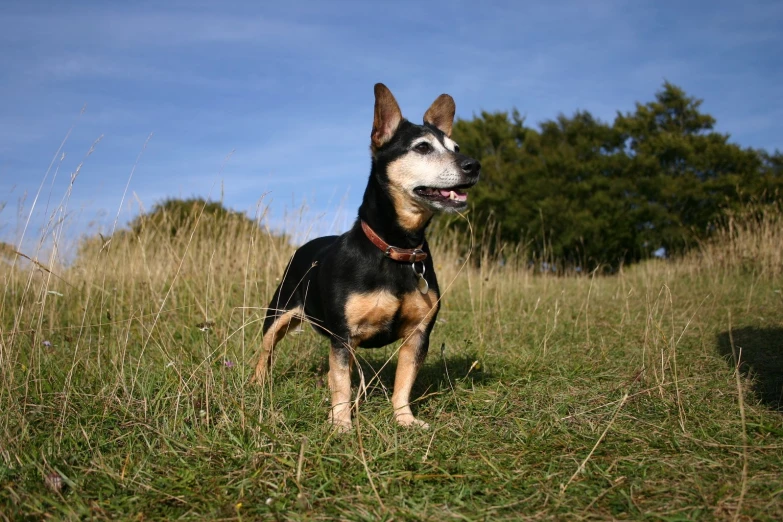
376	284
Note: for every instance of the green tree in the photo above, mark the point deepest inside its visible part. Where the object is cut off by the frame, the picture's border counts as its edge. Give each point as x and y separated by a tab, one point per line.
685	172
584	193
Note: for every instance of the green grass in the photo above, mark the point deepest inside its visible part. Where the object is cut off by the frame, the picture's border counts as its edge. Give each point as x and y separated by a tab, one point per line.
548	397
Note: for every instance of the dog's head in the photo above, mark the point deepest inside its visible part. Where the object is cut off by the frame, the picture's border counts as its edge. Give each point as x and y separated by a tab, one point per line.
420	164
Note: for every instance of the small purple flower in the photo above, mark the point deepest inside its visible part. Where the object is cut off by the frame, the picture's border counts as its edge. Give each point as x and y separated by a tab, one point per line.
48	344
228	364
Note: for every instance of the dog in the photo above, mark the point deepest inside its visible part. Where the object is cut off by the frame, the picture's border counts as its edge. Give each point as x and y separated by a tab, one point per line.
376	283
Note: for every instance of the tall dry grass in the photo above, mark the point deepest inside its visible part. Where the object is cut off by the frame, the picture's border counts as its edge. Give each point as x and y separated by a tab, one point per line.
747	240
124	296
150	336
227	269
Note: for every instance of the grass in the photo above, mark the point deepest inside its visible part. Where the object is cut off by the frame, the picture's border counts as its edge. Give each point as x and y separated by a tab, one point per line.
652	394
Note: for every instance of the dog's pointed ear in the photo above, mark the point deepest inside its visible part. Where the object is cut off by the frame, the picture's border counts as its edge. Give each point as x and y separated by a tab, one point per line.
387	116
441	113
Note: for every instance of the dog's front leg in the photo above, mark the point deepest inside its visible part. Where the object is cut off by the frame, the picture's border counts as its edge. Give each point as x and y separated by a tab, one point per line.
412	354
340	364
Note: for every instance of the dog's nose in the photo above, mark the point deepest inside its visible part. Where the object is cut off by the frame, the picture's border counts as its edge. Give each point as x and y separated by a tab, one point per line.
470	166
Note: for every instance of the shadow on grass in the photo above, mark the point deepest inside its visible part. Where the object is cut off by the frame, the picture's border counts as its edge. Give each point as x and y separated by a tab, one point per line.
433	377
436	376
760	352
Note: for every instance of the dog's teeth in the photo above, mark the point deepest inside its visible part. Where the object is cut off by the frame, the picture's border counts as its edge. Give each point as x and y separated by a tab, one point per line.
452	195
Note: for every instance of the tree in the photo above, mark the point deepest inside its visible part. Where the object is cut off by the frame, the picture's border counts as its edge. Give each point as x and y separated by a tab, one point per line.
587	193
686	173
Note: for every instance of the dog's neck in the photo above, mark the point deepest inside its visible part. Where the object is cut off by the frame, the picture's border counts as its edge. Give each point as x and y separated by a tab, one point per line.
378	211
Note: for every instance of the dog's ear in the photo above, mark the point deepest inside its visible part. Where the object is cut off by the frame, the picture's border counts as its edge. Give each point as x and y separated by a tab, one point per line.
387	116
441	113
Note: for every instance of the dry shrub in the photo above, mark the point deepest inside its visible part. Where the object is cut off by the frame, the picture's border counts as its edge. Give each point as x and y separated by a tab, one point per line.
188	239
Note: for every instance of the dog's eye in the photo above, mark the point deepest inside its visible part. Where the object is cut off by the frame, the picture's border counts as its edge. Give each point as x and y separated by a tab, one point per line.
456	148
423	147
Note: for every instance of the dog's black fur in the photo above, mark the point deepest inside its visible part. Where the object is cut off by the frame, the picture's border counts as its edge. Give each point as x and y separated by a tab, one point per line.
347	288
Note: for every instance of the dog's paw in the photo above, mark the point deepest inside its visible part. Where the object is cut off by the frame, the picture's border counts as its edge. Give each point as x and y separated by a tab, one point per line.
341	426
409	421
340	423
258	378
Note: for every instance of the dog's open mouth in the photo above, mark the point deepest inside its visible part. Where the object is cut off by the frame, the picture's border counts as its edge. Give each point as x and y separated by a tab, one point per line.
454	196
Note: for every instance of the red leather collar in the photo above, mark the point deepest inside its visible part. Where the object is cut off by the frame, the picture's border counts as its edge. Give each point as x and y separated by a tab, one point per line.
404	255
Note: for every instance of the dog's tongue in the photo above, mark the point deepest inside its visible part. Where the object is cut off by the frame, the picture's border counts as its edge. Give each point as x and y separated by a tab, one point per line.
455	195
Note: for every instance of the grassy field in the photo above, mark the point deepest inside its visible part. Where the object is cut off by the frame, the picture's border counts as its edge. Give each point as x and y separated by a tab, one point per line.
124	390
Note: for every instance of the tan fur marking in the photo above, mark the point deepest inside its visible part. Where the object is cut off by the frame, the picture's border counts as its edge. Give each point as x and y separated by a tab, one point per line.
367	314
340	386
291	319
407	369
417	311
410	214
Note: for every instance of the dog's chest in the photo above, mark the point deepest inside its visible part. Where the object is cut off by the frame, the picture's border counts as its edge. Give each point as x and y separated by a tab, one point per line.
387	317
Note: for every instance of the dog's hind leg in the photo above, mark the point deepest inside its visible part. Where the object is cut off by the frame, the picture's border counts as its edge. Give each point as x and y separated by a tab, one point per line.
276	325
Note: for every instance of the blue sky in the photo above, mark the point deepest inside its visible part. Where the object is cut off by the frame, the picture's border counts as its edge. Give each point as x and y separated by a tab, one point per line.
274	99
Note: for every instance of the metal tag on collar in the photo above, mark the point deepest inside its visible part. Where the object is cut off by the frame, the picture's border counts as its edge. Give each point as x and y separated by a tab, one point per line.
421	283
